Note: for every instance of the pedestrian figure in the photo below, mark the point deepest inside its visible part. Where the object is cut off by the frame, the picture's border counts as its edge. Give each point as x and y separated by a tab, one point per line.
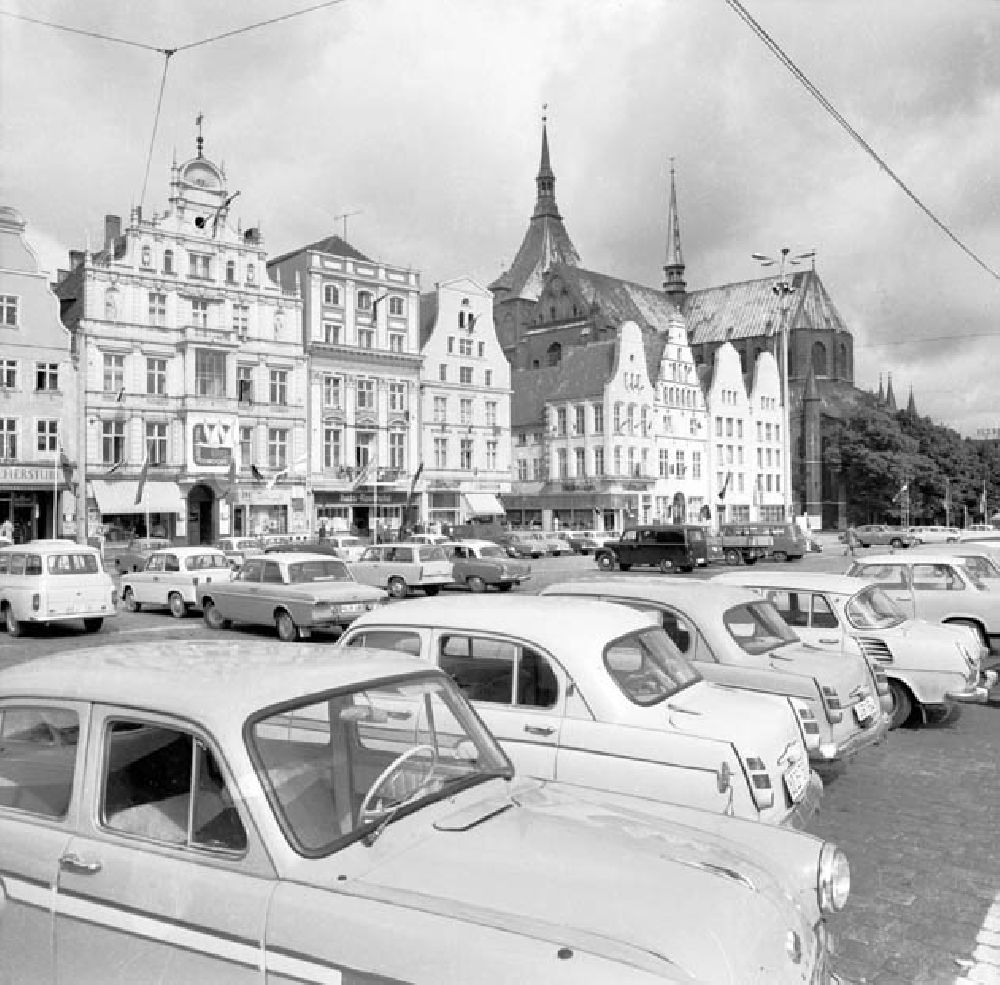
852	542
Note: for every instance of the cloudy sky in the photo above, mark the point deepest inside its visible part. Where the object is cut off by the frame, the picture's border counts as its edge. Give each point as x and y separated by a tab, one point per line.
424	117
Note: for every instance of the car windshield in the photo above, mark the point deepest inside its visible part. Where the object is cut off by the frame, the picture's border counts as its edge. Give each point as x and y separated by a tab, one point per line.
326	570
871	608
648	667
758	627
493	551
979	566
338	767
974	576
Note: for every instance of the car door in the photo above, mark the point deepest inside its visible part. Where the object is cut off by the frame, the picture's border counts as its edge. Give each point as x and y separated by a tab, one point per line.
934	587
41	764
144	582
169	581
810	614
240	600
165	880
519	692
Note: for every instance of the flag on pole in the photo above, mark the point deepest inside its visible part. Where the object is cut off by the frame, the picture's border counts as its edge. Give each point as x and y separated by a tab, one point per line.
117	467
362	477
901	493
725	486
258	476
274	478
141	488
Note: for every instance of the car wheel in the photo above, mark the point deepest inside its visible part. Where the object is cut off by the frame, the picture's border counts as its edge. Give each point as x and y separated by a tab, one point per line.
178	607
128	600
902	705
93	625
504	586
666	566
212	616
895	542
733	557
779	556
13	624
397	588
476	584
432	590
287	631
606	562
624	567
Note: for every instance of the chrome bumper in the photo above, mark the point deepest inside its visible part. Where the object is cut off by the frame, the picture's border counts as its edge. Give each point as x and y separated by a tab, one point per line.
802	812
975	695
831	752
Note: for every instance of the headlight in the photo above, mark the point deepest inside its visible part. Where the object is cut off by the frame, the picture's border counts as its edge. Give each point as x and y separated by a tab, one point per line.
833	884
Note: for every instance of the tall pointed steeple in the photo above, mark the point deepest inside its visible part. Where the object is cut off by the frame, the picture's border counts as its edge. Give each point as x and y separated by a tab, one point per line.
545	181
890	397
674	285
911	405
881	392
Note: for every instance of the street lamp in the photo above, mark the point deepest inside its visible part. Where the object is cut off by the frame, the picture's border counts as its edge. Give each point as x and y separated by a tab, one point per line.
783	290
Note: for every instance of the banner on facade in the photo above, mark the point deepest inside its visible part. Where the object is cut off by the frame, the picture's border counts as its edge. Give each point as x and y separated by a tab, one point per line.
212	441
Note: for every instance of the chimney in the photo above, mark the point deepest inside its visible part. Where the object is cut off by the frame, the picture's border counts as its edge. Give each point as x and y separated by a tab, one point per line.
112	230
75	259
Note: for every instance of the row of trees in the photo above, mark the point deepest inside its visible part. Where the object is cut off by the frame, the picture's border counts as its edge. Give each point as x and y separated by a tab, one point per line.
887	457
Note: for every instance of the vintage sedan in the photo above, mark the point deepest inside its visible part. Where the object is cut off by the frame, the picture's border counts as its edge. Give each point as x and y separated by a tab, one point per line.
737	638
938	588
519	543
173	578
238	549
597	695
131	555
399	568
883	535
929	667
478	564
296	593
222	812
982	560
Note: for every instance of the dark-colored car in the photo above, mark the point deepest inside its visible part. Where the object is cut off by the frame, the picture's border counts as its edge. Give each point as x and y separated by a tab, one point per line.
883	535
668	547
305	547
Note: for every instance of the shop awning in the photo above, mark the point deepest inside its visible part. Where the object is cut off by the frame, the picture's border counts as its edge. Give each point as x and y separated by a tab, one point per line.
483	504
119	497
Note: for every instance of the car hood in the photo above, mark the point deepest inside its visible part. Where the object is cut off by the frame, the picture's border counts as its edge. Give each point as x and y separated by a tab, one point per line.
608	880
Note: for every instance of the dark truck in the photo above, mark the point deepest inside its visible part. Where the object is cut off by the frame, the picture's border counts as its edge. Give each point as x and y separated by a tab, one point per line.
745	543
669	547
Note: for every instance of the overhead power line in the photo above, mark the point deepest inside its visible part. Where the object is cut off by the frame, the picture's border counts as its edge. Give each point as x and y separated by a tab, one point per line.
80	30
777	51
929	338
253	27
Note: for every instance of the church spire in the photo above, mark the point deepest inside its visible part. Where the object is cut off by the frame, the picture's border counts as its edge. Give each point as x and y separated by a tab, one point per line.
881	391
674	285
911	404
890	397
545	182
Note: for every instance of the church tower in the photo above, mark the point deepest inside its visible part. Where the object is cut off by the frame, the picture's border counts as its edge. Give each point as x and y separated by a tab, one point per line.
890	397
674	285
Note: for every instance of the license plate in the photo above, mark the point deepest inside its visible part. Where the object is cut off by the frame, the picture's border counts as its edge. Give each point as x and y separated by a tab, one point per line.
352	607
796	781
865	709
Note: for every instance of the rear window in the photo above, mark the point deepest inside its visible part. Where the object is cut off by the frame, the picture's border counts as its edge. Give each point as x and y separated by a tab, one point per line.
70	564
432	554
199	561
757	627
648	667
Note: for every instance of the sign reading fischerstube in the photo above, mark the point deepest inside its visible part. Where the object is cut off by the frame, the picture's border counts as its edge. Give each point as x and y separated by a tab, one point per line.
27	475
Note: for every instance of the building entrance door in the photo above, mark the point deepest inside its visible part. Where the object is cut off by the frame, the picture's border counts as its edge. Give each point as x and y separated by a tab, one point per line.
201	515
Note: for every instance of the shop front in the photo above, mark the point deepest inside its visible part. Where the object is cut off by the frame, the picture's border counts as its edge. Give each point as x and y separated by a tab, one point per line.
255	511
365	511
29	500
570	505
155	510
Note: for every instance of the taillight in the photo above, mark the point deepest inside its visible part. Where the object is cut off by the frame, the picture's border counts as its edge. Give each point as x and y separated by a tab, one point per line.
760	782
831	701
36	602
881	681
808	724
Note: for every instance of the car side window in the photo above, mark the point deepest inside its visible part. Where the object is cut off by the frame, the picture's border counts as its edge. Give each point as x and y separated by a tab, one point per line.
677	628
171	562
272	573
4	563
537	686
251	571
38	754
935	578
887	575
793	608
17	564
164	784
482	668
823	616
400	640
154	563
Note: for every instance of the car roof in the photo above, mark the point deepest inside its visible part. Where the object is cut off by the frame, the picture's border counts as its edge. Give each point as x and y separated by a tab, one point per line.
289	556
468	543
48	546
186	550
548	621
188	677
911	557
816	581
661	589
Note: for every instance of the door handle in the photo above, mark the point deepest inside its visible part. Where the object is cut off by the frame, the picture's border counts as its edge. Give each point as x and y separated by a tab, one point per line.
73	863
829	641
538	729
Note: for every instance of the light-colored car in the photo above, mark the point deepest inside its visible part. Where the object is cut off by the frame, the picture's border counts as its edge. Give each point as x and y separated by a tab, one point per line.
478	564
131	555
520	543
932	534
882	535
296	593
975	530
982	560
597	695
54	581
938	588
349	547
549	543
174	578
736	638
352	820
428	539
399	568
929	666
238	549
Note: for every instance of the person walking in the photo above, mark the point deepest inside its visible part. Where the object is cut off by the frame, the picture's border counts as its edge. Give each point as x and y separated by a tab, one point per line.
852	542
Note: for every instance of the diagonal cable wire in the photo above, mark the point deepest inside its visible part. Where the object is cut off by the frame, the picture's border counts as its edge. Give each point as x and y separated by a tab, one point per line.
776	50
80	30
251	27
156	123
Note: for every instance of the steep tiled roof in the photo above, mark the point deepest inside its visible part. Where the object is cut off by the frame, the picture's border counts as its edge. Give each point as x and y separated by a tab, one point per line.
546	242
428	315
583	373
334	245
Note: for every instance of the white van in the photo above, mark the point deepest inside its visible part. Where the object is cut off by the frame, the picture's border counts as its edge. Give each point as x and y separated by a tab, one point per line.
47	581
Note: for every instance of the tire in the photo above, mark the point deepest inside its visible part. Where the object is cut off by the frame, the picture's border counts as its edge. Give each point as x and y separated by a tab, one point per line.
178	607
895	542
432	590
476	584
624	567
902	705
129	602
733	557
779	556
13	624
93	625
397	588
505	586
750	560
213	619
606	562
285	627
666	566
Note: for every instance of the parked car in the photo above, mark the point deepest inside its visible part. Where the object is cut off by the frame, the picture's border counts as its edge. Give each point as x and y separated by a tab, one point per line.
238	549
431	539
780	540
664	546
939	589
350	547
552	544
399	568
929	667
478	564
132	555
294	592
518	543
155	817
597	695
588	541
973	530
882	535
54	581
745	543
982	560
174	578
932	534
305	547
735	637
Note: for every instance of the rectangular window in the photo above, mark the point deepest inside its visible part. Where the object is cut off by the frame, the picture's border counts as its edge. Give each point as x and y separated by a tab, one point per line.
465	410
46	376
244	384
333	394
482	350
718	427
246	445
563	463
114	373
664	462
488	378
366	395
397	397
29	737
491	455
681	465
156	376
739	454
760	431
277	448
440	410
279	386
451	344
241	320
397	342
331	333
729	454
598	419
397	458
156	444
561	421
777	432
443	372
537	469
739	482
491	413
729	427
157	308
465	374
48	436
767	431
522	470
112	442
618	460
209	373
332	448
8	309
199	313
199	266
767	458
581	420
8	374
696	465
440	453
465	347
598	461
632	470
581	462
366	338
465	454
739	427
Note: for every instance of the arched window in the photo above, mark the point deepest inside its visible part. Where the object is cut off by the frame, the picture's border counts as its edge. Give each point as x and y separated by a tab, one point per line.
554	354
331	294
395	306
168	261
364	300
819	359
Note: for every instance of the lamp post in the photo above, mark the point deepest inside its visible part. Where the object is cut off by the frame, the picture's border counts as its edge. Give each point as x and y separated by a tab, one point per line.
783	290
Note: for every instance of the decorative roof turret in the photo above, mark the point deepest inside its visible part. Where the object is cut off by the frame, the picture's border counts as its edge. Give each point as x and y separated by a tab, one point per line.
673	270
